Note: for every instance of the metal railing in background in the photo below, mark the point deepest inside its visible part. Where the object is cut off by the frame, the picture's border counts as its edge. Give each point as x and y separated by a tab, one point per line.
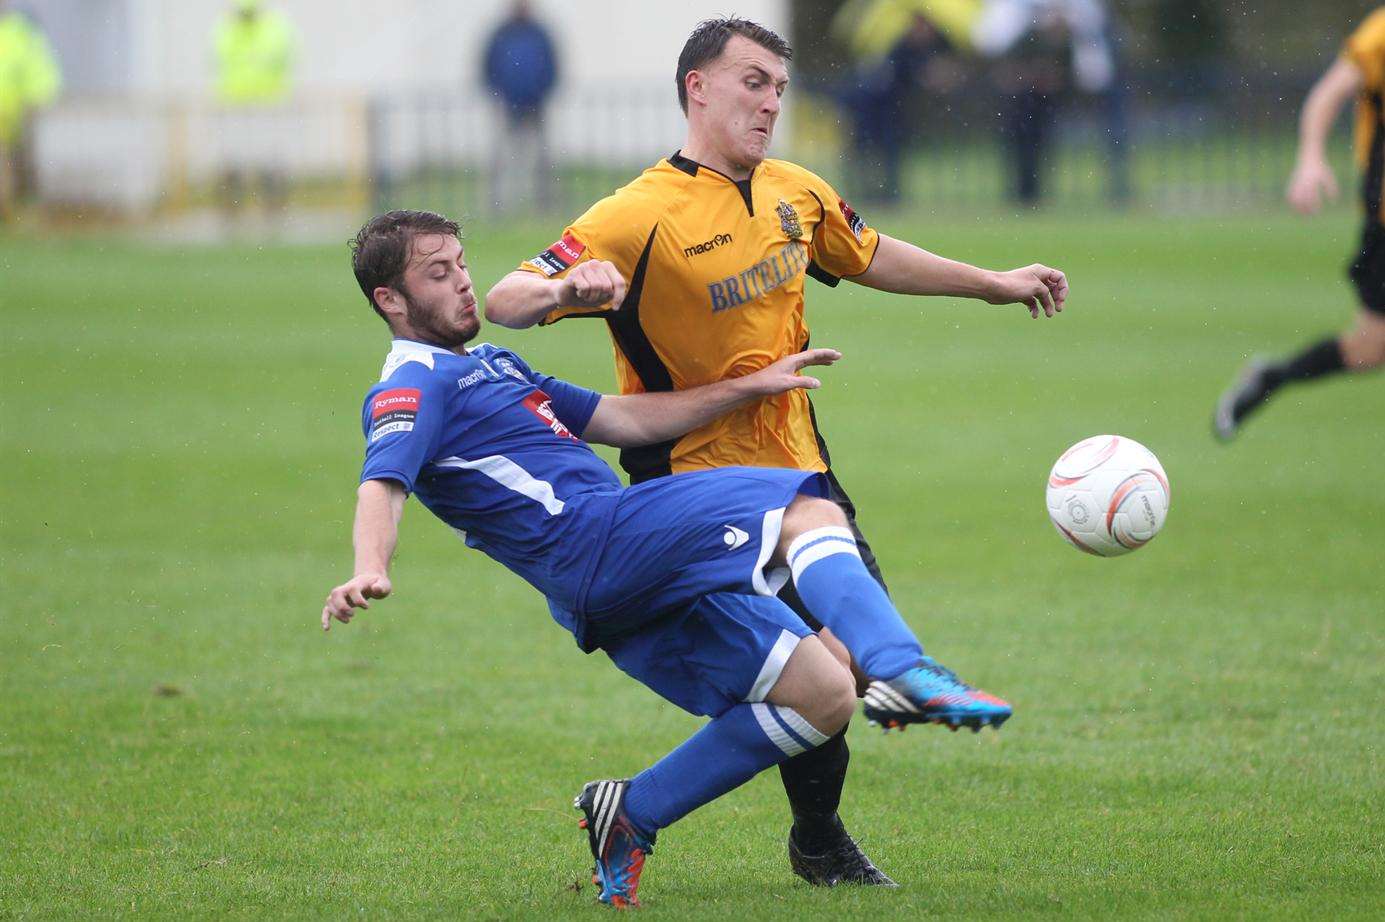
1221	148
466	157
1228	148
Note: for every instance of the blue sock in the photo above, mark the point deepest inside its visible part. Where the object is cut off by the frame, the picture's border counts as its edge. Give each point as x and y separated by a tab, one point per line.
723	755
840	592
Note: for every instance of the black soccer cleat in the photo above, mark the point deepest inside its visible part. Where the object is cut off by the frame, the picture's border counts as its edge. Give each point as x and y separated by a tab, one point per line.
1252	388
842	863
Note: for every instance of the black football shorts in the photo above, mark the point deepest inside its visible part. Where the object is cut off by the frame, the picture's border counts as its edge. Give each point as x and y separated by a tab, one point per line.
1367	269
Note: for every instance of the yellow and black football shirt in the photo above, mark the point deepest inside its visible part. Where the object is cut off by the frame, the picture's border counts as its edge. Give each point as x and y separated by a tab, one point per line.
716	269
1366	49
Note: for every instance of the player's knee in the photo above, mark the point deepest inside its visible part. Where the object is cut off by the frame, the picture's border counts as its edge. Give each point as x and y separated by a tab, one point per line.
818	687
1372	353
806	513
1361	353
1364	347
813	511
836	699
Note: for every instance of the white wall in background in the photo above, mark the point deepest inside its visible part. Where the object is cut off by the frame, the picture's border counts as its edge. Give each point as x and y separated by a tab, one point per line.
142	77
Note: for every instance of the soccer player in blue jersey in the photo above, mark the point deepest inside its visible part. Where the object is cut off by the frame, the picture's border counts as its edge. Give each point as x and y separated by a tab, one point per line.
674	579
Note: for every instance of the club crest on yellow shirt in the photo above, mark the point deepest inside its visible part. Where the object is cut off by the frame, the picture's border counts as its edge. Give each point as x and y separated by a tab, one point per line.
788	220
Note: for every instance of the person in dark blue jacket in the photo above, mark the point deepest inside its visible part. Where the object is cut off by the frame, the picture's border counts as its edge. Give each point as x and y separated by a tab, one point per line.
521	69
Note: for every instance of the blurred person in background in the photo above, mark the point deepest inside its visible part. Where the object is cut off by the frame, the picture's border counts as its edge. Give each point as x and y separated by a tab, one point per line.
521	69
699	268
1358	72
1191	48
1043	49
255	54
883	96
29	80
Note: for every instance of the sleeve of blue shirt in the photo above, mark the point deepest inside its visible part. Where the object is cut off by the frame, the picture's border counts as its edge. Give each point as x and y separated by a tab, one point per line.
572	404
403	421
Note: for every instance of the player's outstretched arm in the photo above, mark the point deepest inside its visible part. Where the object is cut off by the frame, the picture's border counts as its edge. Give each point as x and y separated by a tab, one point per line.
521	299
632	420
379	506
1312	179
903	268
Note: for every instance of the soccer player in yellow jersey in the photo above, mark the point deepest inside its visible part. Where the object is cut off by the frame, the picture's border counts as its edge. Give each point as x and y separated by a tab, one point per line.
698	268
1359	72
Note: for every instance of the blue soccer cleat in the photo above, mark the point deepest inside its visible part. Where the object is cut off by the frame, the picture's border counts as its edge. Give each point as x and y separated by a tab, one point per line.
618	847
931	693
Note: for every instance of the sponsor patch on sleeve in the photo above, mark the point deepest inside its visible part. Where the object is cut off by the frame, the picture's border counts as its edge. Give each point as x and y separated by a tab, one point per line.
853	220
561	255
393	410
541	405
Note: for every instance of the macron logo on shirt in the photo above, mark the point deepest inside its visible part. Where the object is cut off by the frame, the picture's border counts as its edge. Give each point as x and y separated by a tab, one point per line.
394	410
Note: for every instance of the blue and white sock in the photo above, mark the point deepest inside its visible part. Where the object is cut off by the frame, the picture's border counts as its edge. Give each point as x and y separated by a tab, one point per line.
723	755
840	592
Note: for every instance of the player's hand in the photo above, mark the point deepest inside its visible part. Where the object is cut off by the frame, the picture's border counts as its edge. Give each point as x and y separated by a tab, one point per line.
784	375
592	284
354	594
1311	181
1037	287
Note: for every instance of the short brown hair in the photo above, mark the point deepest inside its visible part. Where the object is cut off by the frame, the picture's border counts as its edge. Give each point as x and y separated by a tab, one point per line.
382	248
709	39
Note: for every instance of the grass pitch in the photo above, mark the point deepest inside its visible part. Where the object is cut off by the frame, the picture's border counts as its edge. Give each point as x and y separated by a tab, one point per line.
1197	731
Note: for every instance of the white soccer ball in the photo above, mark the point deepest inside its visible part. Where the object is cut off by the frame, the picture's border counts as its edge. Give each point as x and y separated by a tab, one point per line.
1108	495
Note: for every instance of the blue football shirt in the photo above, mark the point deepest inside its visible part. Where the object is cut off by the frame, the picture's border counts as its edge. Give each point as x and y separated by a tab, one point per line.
492	448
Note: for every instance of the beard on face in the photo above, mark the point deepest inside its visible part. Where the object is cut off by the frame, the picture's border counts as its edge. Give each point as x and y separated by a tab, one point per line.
426	322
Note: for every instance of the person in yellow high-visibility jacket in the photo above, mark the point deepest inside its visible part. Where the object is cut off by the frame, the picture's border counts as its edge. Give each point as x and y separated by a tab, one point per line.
29	80
255	53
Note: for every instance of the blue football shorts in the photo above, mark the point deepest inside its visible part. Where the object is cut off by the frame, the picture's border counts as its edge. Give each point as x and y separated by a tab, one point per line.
676	539
725	649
